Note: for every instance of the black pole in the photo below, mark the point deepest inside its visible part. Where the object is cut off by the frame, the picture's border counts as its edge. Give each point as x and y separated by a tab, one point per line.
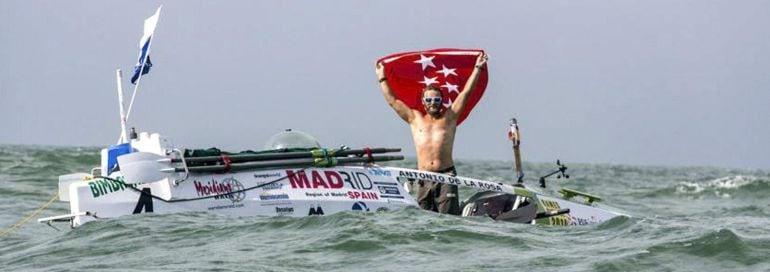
286	155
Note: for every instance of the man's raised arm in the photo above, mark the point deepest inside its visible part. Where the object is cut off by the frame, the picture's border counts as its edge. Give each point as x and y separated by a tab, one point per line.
401	109
462	99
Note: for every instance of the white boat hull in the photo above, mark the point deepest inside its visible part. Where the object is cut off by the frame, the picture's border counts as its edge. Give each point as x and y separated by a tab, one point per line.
289	192
285	192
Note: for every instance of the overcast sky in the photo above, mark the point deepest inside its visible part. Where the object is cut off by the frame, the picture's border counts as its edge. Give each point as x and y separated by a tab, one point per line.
632	82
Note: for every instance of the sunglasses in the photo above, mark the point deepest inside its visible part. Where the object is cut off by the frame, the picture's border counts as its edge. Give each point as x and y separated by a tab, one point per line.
432	99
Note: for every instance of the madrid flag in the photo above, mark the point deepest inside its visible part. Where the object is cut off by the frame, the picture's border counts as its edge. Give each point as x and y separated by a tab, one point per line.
448	69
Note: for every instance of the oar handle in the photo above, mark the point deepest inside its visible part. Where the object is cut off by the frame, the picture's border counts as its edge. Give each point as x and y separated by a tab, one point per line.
361	152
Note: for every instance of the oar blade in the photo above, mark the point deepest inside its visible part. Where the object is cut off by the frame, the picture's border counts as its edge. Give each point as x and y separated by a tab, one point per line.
143	167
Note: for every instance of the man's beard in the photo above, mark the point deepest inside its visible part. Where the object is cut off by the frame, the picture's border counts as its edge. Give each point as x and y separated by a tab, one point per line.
433	110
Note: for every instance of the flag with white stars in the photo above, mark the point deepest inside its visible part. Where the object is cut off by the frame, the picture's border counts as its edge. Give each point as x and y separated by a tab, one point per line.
447	69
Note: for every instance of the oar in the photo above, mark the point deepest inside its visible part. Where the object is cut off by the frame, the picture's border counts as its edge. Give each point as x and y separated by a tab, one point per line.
143	167
547	214
316	153
304	162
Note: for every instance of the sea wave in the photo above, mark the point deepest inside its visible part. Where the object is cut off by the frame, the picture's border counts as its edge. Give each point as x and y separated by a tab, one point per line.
720	249
725	187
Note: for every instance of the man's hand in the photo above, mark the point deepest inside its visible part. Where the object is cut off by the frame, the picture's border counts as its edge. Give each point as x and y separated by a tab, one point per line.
380	69
481	59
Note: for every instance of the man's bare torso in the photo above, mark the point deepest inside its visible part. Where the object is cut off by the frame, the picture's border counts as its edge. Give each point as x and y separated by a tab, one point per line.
433	140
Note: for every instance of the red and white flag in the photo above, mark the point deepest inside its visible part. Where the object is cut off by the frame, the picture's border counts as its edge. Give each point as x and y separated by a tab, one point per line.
448	69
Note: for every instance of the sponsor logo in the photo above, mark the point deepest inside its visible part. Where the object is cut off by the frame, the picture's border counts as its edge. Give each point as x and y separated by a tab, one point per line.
577	221
360	206
284	210
300	180
271	186
379	172
267	175
358	180
228	188
390	190
234	205
337	194
328	180
264	196
315	211
362	195
102	187
550	204
271	199
325	194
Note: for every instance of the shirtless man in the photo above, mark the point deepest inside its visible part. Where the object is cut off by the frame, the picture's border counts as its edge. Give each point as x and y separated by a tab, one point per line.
434	135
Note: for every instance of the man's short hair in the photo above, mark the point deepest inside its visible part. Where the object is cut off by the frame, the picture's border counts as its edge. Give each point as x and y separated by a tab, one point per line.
432	88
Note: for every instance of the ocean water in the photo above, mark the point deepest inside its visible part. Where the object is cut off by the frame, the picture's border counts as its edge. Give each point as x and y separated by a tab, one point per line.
681	219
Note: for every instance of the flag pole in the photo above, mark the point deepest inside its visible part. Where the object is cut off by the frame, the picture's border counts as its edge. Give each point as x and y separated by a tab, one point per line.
138	80
141	69
123	131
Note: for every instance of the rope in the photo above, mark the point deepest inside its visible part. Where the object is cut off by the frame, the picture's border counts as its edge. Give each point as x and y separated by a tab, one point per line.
226	160
203	197
368	152
33	214
50	201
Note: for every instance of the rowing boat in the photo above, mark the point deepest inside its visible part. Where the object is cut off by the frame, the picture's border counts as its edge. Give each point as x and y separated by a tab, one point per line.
153	176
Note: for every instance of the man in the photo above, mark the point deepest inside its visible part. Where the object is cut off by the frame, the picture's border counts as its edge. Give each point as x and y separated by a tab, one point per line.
434	134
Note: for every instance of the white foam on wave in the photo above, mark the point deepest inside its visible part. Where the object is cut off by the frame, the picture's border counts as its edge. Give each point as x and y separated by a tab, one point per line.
731	182
689	188
719	186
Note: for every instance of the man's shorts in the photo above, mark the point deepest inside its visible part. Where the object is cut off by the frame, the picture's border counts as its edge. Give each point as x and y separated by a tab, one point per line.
439	197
